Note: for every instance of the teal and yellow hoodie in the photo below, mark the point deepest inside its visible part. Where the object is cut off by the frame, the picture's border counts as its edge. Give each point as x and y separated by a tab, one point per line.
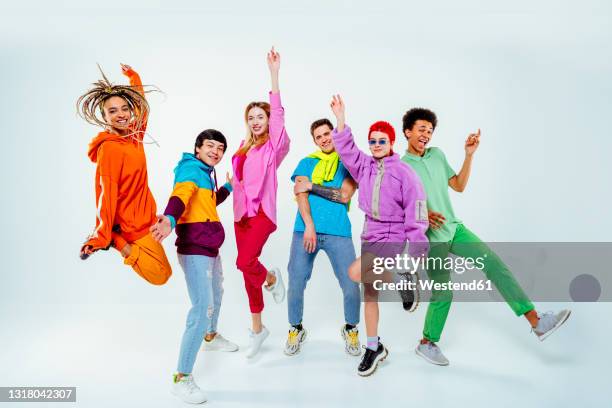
192	207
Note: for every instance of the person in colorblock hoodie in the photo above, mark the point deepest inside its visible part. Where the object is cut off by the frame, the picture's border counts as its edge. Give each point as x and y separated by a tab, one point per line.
255	186
448	234
192	212
125	206
393	200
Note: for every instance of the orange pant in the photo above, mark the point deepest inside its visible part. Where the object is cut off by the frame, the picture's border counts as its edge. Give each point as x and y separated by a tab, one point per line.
147	258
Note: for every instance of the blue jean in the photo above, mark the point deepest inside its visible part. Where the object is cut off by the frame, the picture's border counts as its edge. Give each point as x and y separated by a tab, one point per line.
204	277
341	253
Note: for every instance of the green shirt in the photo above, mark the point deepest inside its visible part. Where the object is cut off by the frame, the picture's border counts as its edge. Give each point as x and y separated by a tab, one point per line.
434	171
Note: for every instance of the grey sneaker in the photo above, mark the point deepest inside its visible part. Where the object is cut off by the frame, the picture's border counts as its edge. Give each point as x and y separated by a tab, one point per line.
351	340
278	289
549	322
432	353
295	338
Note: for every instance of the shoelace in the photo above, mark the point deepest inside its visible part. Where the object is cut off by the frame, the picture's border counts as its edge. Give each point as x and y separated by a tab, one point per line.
353	338
433	347
292	340
189	383
547	320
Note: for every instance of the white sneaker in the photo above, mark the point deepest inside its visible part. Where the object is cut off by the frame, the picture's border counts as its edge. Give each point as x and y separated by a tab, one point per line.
255	341
219	343
278	289
549	322
187	390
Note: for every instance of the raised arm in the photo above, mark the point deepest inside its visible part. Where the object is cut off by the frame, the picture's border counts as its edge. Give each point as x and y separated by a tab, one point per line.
352	158
459	181
276	127
136	83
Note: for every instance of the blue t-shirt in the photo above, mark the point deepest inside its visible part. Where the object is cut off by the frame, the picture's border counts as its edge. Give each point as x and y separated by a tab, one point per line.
328	217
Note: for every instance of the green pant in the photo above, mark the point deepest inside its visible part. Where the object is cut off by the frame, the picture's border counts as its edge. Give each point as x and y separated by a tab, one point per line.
466	244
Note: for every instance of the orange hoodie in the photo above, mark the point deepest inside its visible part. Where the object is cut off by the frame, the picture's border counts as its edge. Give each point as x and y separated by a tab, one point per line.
122	191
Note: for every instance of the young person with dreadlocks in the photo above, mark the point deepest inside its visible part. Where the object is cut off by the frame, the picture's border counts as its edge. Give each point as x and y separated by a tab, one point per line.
255	185
125	205
192	210
393	200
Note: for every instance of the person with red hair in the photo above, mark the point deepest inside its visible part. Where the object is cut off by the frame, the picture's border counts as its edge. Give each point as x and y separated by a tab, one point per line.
393	200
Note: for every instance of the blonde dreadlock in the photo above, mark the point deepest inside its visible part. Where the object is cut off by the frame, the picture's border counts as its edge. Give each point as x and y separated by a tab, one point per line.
92	102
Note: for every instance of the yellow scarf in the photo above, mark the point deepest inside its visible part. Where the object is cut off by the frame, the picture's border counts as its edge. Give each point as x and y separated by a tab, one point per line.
326	168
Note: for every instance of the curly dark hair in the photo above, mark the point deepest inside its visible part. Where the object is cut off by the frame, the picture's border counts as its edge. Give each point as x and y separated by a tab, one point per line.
414	114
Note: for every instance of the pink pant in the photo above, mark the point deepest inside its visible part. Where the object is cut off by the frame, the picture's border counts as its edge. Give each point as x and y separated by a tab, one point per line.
251	235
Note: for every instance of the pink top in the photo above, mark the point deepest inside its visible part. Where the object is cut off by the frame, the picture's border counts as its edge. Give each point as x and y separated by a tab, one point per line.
255	182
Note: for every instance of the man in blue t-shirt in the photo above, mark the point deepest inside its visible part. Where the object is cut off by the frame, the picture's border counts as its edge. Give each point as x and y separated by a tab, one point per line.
323	189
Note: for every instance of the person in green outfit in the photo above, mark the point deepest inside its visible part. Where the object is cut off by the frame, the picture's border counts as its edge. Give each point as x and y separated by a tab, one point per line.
447	234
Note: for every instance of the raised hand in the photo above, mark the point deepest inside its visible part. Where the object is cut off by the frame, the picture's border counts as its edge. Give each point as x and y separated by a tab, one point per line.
436	219
472	142
125	68
273	60
337	106
161	229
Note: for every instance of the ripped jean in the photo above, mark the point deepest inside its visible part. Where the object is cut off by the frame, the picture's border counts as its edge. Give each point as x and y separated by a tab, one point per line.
204	277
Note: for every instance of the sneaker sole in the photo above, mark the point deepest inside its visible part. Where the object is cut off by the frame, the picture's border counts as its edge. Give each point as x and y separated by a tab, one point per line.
279	280
345	348
223	350
555	327
187	402
429	360
378	360
417	297
299	348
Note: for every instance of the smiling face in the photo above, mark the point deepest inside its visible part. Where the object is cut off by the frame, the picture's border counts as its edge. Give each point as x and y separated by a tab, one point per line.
211	152
419	136
257	121
117	114
322	137
380	144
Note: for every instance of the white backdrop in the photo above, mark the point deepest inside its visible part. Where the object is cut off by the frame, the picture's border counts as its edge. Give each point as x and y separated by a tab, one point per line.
533	77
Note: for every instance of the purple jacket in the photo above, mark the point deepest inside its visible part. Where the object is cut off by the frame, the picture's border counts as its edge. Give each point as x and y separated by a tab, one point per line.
390	194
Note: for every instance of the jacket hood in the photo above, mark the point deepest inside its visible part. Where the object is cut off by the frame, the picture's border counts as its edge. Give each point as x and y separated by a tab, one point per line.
97	141
189	159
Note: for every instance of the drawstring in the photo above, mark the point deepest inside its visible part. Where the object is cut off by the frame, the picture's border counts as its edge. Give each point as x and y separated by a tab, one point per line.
215	178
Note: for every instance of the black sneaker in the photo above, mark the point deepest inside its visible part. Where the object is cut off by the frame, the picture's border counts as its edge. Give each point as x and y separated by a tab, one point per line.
370	360
410	298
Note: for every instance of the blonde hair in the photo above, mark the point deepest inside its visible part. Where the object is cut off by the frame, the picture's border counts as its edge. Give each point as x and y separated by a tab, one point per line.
251	140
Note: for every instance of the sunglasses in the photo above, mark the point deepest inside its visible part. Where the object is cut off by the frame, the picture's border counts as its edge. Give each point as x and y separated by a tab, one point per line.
373	142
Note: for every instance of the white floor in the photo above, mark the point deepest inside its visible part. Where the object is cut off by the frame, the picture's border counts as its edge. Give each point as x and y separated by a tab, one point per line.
124	355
